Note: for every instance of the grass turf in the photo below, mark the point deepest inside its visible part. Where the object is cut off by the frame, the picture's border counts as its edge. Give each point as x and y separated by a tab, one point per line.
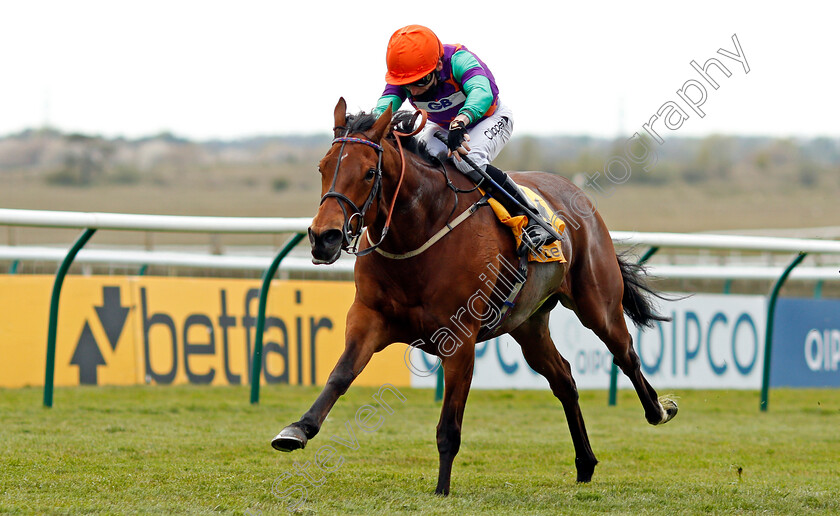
203	450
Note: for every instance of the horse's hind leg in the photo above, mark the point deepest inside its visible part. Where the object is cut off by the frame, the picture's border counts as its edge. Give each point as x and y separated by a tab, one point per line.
610	327
620	343
600	310
542	356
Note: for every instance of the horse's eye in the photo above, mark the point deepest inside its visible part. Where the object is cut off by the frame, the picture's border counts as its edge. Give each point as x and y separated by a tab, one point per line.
370	175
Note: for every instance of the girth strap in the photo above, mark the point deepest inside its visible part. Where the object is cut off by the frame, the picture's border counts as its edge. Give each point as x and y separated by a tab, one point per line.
518	281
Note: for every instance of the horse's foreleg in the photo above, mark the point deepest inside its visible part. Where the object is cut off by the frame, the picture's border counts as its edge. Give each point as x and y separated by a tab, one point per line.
364	336
458	371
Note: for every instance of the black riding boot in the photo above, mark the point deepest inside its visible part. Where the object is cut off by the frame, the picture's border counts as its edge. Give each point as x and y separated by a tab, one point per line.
534	235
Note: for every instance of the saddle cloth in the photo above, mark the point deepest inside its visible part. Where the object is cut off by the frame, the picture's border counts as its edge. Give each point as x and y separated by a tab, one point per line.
552	252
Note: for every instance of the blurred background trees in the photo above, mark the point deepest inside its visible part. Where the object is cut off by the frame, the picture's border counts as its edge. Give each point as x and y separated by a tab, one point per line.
285	162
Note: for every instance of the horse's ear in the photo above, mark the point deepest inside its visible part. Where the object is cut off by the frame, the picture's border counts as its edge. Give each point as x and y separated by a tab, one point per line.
340	114
382	125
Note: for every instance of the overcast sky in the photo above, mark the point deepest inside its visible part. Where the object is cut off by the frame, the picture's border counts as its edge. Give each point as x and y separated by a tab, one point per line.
204	69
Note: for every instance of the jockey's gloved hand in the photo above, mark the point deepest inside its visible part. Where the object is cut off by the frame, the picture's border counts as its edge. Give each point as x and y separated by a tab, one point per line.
457	134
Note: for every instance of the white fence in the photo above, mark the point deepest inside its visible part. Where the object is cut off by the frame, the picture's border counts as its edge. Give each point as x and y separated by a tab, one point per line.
165	223
169	258
121	221
156	223
728	242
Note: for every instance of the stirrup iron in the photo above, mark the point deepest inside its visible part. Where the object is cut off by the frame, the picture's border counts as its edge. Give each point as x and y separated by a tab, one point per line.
533	237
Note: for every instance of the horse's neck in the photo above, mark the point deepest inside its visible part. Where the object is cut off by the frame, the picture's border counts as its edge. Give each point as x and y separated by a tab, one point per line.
423	206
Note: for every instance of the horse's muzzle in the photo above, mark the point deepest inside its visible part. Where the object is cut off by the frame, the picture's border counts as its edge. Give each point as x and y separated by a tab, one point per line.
326	246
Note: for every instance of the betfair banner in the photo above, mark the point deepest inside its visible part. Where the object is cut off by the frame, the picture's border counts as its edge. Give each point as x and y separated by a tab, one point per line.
129	330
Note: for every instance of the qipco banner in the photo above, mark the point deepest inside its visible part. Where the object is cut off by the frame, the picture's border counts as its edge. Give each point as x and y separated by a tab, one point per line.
712	342
806	343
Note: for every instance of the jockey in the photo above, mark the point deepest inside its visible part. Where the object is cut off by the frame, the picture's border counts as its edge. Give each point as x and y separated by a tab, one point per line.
458	91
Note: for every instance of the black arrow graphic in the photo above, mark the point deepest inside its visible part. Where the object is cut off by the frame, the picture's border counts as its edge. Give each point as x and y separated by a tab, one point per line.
87	356
112	314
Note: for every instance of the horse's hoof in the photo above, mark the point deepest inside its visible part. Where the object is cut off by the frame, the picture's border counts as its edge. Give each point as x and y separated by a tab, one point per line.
669	408
585	469
289	439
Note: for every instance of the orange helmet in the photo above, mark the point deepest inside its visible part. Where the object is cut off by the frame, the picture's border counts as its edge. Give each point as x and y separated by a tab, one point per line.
413	52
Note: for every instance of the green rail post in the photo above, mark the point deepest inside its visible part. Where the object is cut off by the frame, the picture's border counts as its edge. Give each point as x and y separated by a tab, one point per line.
613	386
49	374
614	369
439	384
645	257
256	363
14	267
143	269
768	334
818	289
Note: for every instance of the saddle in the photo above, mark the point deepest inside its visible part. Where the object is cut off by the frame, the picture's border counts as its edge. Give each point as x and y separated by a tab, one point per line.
552	252
509	284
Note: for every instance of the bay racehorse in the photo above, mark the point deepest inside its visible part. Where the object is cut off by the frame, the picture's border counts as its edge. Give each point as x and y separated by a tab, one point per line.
437	294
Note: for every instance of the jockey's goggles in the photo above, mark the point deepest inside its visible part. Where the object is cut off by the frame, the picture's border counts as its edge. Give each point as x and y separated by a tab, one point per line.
424	81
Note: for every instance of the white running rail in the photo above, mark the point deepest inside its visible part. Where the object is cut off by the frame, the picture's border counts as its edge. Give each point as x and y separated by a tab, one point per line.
170	223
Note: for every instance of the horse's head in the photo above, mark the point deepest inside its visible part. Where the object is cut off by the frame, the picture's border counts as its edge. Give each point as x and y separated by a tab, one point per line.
351	180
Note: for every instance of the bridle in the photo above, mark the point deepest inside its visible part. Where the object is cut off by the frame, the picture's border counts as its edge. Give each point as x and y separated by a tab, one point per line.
351	234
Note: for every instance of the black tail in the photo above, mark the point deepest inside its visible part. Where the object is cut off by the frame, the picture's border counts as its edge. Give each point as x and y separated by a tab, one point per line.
636	302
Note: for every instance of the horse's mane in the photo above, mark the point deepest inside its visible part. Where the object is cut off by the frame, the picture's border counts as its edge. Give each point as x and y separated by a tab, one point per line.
401	121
